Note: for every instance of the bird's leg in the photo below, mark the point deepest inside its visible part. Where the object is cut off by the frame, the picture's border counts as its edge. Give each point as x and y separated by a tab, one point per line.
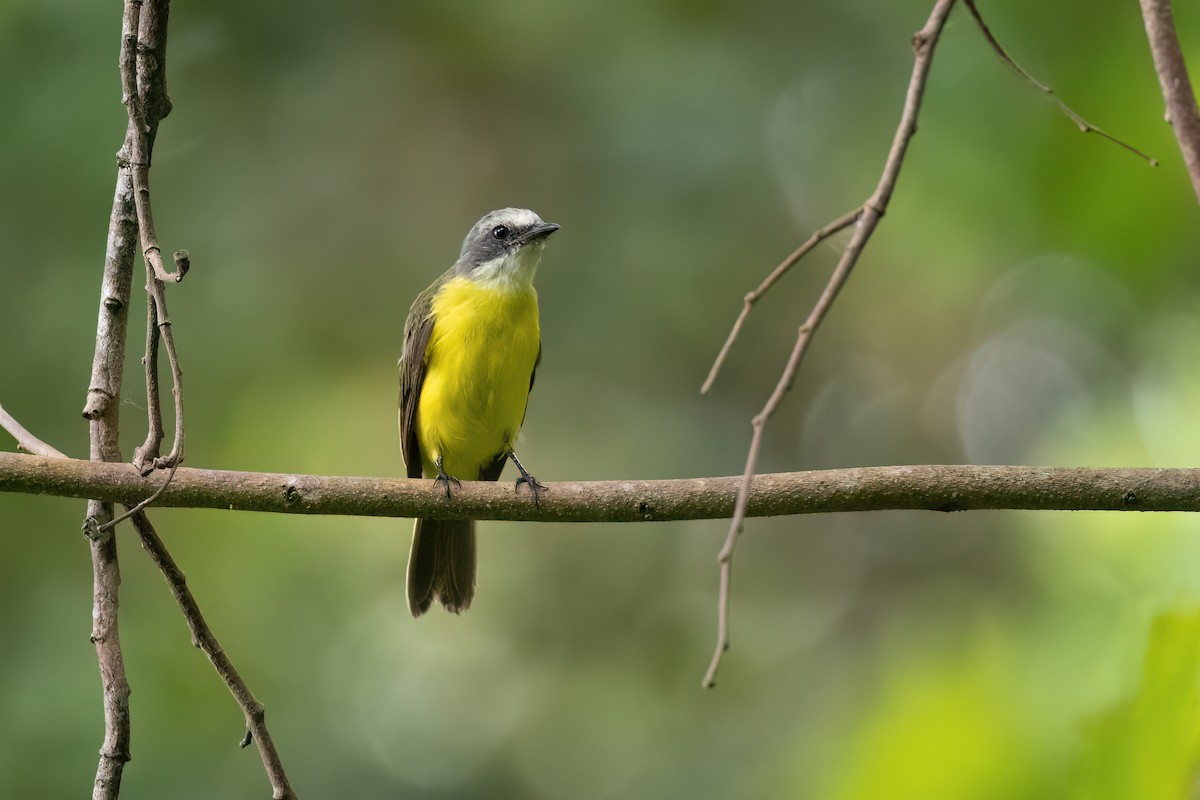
445	479
534	485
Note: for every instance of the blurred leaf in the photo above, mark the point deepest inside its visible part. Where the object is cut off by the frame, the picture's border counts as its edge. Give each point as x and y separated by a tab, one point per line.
1148	747
945	729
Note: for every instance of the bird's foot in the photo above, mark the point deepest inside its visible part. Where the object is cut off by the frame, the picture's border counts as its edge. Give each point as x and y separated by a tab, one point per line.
444	479
535	486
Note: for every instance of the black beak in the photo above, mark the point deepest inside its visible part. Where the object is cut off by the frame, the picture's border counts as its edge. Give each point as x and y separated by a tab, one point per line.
540	231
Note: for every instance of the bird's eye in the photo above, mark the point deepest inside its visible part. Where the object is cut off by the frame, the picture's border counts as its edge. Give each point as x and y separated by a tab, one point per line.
500	232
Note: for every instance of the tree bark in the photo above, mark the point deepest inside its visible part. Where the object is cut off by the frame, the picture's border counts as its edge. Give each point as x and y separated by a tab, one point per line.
928	487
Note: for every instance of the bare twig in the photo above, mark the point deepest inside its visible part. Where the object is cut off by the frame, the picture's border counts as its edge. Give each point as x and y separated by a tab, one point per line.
142	506
26	440
868	215
106	577
102	409
158	324
839	224
145	96
164	326
1180	99
204	639
1081	123
144	456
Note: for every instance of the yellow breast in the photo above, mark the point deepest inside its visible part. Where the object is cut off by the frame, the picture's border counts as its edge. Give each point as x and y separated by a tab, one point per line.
479	360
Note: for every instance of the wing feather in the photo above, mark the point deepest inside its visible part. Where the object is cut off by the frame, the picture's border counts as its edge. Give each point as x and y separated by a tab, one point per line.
417	330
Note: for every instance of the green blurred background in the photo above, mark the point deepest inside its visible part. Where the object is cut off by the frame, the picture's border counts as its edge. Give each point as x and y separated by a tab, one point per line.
1031	297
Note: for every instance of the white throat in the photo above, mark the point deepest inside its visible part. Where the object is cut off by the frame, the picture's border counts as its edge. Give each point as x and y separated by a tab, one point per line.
512	272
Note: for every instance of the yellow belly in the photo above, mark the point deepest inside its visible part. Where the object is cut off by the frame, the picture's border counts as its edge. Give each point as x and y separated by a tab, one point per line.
479	360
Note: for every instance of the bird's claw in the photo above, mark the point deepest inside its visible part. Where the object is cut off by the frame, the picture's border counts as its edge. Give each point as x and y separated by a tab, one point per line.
445	479
535	487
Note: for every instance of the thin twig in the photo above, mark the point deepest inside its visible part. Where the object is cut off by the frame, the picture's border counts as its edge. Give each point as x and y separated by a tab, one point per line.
147	456
204	639
839	224
1182	111
147	103
26	440
923	42
142	506
144	456
1081	123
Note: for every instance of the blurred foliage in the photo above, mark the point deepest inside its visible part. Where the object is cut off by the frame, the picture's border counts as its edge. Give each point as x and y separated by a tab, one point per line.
1029	298
1149	745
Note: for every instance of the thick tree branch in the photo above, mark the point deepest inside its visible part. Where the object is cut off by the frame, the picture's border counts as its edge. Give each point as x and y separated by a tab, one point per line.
1182	111
925	487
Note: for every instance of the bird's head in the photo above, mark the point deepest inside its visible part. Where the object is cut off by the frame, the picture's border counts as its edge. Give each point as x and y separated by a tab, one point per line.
503	249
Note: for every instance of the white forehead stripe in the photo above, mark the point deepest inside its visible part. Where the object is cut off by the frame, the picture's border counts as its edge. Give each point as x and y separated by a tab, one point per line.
516	217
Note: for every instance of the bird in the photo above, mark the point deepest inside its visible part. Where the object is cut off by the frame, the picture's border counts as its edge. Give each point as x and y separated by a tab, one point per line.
472	345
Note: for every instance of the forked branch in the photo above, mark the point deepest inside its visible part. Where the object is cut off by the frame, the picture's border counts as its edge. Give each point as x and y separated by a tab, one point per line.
866	218
838	225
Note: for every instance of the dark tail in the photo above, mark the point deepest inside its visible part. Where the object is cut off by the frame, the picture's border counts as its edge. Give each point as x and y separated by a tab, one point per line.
441	565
